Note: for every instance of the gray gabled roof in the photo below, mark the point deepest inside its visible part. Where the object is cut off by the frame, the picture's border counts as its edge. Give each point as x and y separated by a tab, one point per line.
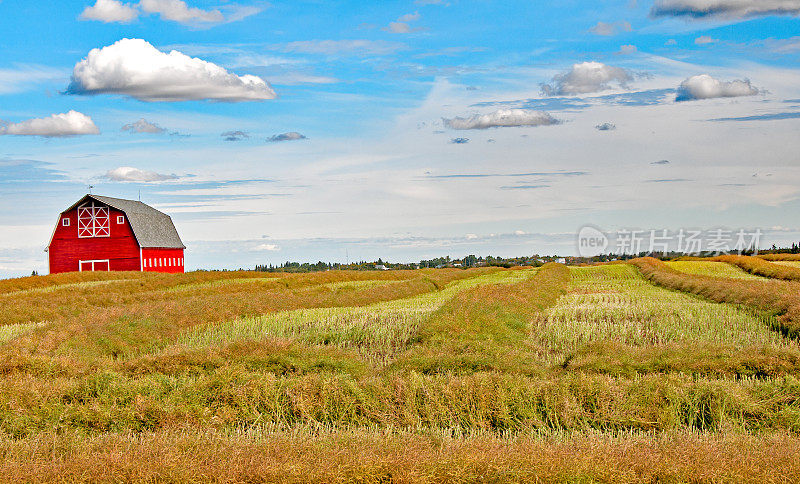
152	229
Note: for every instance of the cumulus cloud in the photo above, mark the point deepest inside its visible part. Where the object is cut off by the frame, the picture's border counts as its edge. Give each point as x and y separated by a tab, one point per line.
290	136
235	135
627	49
110	11
605	127
71	123
587	77
130	174
135	68
502	118
699	9
705	39
608	29
144	126
706	87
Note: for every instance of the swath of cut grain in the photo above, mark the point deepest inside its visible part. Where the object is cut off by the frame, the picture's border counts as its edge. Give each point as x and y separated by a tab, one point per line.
713	269
386	325
614	303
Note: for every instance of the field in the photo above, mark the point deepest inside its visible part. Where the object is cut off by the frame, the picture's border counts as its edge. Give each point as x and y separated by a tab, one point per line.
679	372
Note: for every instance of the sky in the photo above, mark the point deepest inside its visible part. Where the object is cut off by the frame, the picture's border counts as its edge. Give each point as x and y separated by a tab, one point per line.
346	130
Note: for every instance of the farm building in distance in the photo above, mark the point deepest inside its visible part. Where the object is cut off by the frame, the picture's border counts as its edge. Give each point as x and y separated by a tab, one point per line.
111	234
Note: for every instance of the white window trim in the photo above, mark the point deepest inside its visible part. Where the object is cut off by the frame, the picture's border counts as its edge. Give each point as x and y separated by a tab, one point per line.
65	222
93	262
120	219
94	226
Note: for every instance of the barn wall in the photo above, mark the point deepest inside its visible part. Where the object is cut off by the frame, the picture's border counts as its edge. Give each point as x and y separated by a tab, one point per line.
163	260
66	249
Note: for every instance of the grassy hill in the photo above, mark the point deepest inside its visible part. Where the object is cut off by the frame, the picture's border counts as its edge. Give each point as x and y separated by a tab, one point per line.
642	372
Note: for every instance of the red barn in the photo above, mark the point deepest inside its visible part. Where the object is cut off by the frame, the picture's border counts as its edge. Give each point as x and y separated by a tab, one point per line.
111	234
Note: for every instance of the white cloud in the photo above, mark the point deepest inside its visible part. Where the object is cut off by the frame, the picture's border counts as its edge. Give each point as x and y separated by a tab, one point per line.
398	28
144	126
130	174
502	118
409	17
627	49
174	10
705	39
179	11
339	47
724	8
586	77
110	11
267	247
401	25
290	136
608	29
135	68
71	123
706	87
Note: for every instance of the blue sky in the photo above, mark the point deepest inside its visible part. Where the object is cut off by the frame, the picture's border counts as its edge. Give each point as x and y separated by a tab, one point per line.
275	131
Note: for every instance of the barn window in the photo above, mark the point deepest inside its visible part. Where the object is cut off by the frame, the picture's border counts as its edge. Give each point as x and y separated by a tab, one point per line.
65	222
93	221
120	219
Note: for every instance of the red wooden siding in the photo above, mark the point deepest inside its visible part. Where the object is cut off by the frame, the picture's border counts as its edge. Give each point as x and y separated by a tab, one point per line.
163	260
67	249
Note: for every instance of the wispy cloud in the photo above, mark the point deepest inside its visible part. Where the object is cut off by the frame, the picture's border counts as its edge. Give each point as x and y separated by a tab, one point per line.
510	175
26	76
609	29
401	25
763	117
356	47
109	11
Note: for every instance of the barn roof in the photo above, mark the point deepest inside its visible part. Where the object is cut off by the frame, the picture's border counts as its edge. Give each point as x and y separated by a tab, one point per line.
150	227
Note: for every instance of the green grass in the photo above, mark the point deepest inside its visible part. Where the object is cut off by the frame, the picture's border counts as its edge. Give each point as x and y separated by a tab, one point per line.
384	327
363	376
11	331
612	303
